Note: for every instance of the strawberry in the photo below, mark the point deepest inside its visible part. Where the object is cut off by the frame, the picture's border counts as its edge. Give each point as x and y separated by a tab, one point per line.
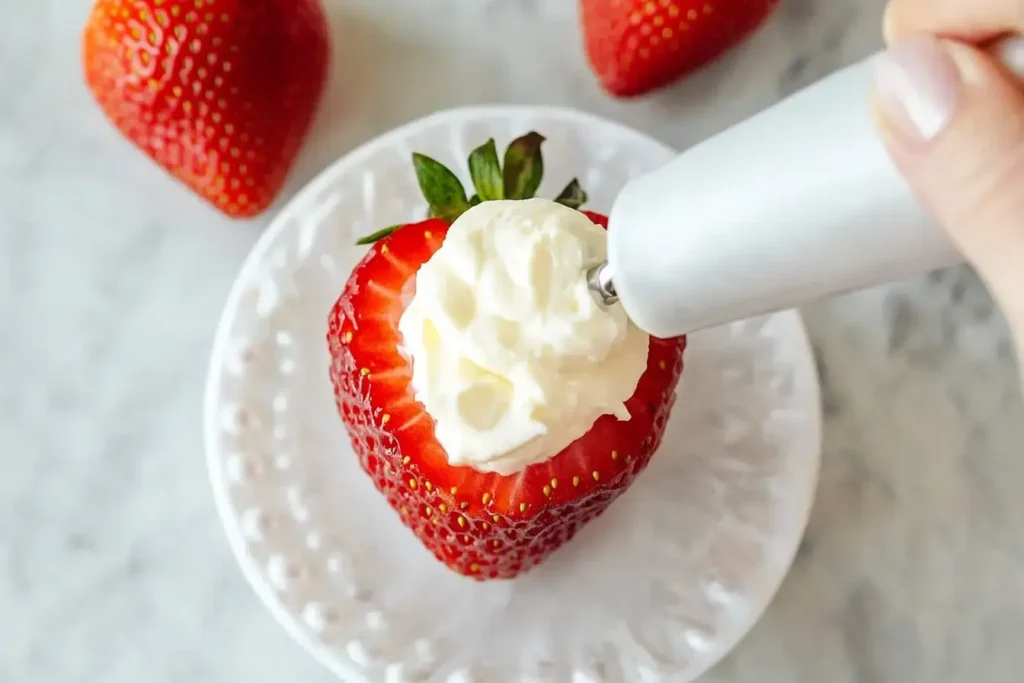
220	93
636	46
482	525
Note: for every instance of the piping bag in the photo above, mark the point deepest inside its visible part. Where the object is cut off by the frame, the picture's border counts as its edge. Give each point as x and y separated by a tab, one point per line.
796	204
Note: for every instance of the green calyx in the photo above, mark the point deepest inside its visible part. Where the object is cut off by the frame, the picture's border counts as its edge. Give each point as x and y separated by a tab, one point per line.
518	176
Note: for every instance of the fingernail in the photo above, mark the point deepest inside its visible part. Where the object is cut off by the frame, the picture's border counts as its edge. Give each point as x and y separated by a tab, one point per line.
917	86
1011	54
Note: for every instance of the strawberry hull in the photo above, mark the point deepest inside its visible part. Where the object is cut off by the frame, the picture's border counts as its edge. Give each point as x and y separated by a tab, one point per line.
482	525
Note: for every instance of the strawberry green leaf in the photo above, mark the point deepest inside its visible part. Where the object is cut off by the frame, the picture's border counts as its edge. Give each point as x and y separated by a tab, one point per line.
524	167
474	200
573	195
442	189
379	235
485	170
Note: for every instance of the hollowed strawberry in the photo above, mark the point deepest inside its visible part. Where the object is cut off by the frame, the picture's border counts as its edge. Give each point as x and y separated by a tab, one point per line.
483	525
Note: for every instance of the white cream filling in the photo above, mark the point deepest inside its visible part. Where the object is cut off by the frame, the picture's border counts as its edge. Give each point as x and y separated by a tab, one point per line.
511	354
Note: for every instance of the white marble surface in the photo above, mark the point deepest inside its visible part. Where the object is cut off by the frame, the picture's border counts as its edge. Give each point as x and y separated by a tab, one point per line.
113	566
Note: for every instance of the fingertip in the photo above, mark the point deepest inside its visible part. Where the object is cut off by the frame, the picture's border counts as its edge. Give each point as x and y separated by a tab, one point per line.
916	88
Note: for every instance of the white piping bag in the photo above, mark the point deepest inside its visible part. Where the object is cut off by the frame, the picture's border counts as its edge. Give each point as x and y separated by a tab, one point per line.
796	204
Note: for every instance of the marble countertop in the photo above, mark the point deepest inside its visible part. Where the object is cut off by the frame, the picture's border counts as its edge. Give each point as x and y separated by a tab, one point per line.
113	566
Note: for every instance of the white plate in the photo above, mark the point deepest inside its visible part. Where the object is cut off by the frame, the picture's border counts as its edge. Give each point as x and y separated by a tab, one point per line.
657	589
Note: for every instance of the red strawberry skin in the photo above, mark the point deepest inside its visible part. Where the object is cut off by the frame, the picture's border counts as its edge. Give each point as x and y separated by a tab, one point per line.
220	93
482	525
636	46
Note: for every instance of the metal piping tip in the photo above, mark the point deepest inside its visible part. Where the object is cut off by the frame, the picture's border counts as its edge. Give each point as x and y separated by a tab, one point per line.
599	280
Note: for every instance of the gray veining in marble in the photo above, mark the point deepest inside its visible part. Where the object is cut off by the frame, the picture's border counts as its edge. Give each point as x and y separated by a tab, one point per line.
113	566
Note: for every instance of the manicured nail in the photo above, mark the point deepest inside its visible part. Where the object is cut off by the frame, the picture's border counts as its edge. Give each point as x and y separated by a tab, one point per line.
1010	52
917	86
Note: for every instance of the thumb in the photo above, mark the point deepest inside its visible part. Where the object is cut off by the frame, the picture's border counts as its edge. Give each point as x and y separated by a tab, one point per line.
953	120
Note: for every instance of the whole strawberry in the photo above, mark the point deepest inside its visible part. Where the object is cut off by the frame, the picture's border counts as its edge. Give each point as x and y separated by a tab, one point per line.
636	46
221	93
484	525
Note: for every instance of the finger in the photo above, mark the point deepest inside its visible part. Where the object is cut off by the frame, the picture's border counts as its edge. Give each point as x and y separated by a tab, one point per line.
954	123
968	20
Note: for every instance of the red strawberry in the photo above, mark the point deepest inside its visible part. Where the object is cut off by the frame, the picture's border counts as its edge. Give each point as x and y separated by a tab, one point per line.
635	46
482	525
221	93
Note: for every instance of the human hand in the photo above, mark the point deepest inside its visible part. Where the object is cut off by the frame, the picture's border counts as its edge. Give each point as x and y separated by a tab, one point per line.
952	117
